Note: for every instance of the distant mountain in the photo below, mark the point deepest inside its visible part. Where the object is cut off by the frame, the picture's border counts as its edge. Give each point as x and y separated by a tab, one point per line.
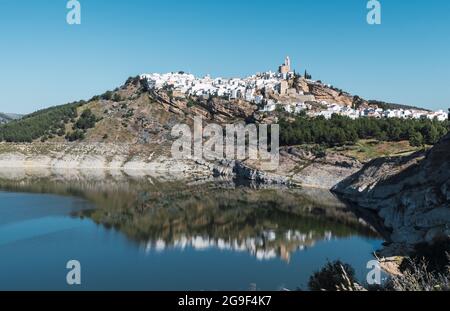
7	117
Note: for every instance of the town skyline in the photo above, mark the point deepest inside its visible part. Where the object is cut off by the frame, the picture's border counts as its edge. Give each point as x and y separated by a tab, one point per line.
282	89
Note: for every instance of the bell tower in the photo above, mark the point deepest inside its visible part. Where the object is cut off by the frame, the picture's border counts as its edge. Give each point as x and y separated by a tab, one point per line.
287	63
286	67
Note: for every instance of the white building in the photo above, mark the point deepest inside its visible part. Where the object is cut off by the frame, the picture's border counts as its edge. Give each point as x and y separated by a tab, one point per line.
251	88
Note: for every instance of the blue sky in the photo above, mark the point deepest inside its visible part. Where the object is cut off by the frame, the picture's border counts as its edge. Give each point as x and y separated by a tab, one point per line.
44	61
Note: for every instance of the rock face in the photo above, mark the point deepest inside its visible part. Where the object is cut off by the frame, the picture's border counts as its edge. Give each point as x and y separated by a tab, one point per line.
225	110
303	168
243	171
411	195
321	92
102	157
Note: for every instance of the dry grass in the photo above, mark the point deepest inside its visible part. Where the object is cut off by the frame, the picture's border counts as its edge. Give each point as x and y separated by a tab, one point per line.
418	277
366	150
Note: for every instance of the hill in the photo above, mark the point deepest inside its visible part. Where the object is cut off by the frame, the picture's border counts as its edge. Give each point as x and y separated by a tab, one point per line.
131	128
137	114
409	195
8	117
129	114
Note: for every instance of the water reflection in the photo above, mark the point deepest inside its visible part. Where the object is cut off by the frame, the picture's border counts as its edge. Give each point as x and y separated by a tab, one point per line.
163	213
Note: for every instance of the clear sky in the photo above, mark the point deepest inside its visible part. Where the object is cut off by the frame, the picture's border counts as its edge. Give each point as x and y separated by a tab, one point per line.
44	61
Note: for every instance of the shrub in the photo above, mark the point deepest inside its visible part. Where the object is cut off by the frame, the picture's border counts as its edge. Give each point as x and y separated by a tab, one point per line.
416	140
86	121
117	97
418	277
436	255
75	135
191	103
108	95
133	80
332	276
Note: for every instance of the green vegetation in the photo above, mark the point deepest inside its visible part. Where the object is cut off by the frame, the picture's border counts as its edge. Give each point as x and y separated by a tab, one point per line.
117	98
86	121
307	75
367	149
129	113
191	103
133	80
427	269
357	102
49	123
416	139
40	124
108	95
75	135
386	106
340	130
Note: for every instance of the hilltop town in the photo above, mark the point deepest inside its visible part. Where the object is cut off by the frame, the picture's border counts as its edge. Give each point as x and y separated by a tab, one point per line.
285	90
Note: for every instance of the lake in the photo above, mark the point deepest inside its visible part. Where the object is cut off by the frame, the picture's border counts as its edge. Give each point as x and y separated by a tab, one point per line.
133	233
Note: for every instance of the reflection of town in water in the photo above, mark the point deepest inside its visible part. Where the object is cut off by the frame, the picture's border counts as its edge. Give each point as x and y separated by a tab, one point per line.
268	246
158	216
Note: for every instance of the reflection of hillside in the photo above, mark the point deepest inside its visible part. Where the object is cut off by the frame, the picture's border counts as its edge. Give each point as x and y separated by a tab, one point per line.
267	223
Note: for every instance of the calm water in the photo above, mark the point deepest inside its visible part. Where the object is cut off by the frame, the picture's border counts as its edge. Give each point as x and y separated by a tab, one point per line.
142	235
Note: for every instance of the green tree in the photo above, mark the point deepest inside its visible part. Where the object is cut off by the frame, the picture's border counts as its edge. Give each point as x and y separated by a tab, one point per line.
75	135
431	135
86	121
416	139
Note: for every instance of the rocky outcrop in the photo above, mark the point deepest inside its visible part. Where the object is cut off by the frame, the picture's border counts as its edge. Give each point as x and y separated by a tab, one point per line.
411	195
297	167
246	172
326	172
304	168
222	110
214	108
324	93
102	157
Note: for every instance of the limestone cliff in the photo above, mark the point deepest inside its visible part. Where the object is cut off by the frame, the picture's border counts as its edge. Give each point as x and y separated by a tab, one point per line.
328	94
411	195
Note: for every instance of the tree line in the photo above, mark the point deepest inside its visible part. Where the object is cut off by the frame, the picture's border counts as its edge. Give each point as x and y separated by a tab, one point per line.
49	123
43	123
341	130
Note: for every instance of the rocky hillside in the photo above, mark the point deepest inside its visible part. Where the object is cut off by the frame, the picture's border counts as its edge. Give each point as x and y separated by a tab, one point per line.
130	128
323	92
410	195
129	114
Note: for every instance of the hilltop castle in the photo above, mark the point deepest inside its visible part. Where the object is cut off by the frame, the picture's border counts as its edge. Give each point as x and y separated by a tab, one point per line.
286	67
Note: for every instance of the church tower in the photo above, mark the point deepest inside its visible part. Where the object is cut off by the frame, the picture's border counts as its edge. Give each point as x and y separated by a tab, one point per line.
287	63
286	67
